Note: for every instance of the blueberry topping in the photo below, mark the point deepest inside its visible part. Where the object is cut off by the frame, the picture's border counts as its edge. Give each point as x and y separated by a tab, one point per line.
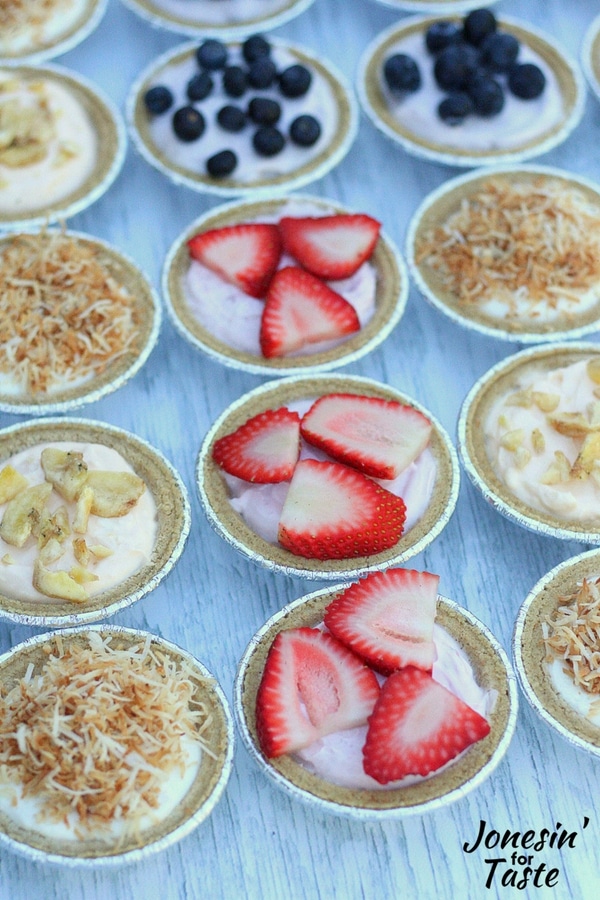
262	73
264	111
441	35
199	86
254	47
234	81
268	141
158	99
456	66
221	164
295	81
487	95
231	118
454	108
188	123
212	54
401	73
305	131
526	81
478	24
499	51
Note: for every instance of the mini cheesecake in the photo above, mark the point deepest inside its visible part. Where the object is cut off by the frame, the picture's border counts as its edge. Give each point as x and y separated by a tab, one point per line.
36	30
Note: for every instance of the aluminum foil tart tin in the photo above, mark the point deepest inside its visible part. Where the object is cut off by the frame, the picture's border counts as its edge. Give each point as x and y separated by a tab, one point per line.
111	144
56	40
203	795
446	201
115	373
214	494
492	671
434	6
172	513
509	376
390	300
529	652
590	56
570	89
226	19
315	162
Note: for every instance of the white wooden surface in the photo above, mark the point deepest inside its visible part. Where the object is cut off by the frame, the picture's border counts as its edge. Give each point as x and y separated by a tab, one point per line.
258	843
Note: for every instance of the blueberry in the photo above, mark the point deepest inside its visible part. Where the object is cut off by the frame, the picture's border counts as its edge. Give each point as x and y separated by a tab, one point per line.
487	95
478	24
199	86
254	47
212	54
401	73
268	141
264	111
454	108
294	81
305	131
499	51
441	35
221	164
231	118
455	66
234	81
158	99
526	81
188	123
262	73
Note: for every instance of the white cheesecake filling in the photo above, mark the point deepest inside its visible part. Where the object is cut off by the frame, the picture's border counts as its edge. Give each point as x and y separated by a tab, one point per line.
223	12
41	22
584	703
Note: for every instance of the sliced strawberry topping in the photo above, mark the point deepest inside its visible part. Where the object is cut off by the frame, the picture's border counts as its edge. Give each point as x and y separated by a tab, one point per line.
333	512
387	619
311	686
379	437
246	255
330	246
417	726
264	449
301	310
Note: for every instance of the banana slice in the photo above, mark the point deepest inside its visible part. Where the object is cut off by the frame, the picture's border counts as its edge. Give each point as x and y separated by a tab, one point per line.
66	470
23	513
588	460
57	584
11	482
115	493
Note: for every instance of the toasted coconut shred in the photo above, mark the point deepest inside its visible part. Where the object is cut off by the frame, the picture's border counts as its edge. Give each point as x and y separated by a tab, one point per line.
94	733
63	316
17	15
572	635
527	245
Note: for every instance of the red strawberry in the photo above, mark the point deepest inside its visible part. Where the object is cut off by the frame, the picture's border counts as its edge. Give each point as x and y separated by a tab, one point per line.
302	310
387	619
246	255
333	512
330	246
417	726
264	449
378	437
311	686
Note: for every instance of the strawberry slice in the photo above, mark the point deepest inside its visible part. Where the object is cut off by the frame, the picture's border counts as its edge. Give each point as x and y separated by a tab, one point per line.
417	726
333	512
299	310
264	449
311	686
387	619
246	255
378	437
330	246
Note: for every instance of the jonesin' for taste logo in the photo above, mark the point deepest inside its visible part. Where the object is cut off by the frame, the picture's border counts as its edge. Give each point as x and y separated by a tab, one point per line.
514	862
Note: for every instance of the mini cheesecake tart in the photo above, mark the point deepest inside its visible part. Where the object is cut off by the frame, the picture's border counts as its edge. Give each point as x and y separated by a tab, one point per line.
116	556
435	484
328	98
186	796
490	668
558	612
85	272
225	18
63	144
36	30
381	289
590	56
488	250
528	439
522	130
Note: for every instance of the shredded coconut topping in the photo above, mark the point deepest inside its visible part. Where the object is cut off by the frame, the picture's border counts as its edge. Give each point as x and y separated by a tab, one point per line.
63	316
16	15
531	242
96	730
573	635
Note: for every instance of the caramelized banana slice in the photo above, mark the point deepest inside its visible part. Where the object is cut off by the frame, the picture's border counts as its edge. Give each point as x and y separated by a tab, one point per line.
65	470
115	493
589	457
57	584
11	482
23	513
573	425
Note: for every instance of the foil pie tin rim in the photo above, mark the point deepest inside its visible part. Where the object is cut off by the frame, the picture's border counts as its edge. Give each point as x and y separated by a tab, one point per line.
590	47
434	6
63	42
